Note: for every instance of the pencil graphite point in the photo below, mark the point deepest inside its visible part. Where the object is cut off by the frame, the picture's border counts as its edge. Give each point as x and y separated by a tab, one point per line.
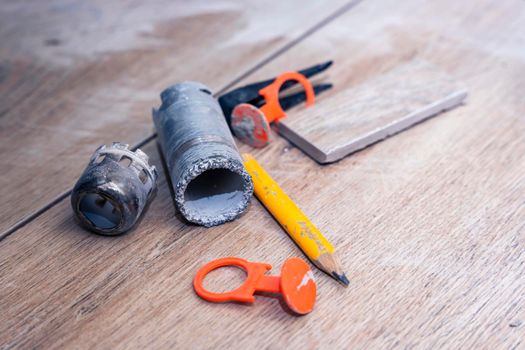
341	278
330	263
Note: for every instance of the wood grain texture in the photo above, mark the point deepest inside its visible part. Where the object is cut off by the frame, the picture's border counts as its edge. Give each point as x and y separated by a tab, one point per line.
75	75
430	224
352	119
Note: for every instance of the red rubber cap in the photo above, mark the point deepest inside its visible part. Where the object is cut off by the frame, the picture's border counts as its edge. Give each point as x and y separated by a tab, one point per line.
298	285
250	125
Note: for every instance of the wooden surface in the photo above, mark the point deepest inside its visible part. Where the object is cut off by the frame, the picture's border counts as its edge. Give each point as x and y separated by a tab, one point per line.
75	75
430	224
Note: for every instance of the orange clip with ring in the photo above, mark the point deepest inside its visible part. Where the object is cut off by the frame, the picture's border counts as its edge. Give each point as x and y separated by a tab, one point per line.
252	125
296	283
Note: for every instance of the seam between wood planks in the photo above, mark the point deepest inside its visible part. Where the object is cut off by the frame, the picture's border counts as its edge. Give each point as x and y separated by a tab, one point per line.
338	12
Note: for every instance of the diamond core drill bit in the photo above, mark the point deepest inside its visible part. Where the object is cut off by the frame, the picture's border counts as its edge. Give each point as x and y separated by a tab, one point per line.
114	189
210	184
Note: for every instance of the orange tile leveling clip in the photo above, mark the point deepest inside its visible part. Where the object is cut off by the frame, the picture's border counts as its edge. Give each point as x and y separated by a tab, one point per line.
249	110
252	125
296	283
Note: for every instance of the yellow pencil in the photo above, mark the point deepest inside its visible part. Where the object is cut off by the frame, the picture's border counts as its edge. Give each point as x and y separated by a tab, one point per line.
298	226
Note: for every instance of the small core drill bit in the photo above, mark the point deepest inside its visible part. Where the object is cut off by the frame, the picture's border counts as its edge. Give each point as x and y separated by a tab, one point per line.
114	189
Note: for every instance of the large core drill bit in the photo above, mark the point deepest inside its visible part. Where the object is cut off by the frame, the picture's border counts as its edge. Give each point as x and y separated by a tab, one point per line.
210	184
114	190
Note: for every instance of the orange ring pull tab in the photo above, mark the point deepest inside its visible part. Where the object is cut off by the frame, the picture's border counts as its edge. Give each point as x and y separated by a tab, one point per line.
296	283
254	271
272	109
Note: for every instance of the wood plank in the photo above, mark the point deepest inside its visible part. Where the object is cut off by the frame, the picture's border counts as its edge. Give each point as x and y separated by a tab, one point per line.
429	223
352	119
64	91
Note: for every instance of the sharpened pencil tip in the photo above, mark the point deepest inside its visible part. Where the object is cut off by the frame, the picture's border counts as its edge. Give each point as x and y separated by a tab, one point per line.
341	278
